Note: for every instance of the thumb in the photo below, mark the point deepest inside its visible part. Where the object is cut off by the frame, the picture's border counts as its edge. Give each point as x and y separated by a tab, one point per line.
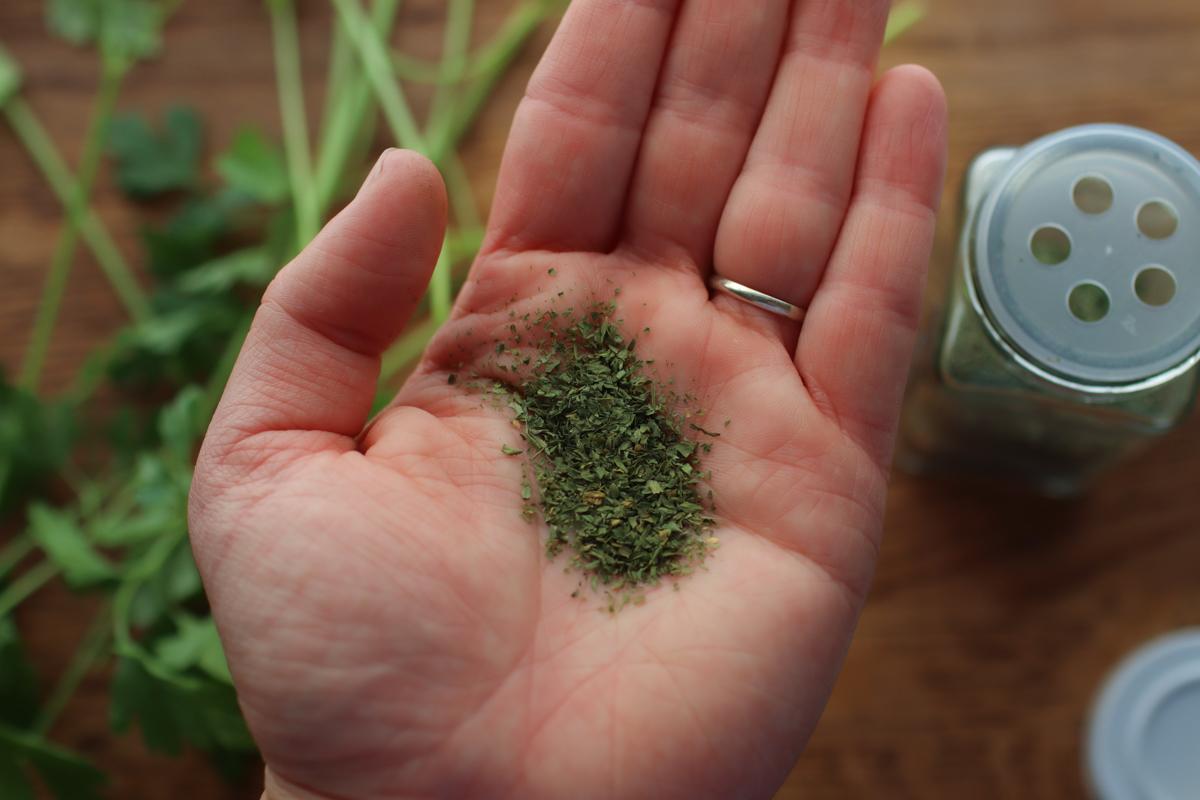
311	359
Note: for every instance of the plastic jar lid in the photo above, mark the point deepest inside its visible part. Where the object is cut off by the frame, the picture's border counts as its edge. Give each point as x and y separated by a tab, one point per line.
1143	740
1086	255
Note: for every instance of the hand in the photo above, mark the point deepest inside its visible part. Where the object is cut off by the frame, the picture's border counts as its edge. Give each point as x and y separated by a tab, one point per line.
393	625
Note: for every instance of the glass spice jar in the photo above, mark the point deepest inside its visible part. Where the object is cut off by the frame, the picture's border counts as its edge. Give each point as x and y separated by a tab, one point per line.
1068	335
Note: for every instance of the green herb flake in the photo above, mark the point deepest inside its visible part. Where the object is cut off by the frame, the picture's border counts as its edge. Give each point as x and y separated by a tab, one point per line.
618	481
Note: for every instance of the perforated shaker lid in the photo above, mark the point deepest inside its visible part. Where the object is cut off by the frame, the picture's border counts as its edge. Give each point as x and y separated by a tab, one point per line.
1143	741
1086	255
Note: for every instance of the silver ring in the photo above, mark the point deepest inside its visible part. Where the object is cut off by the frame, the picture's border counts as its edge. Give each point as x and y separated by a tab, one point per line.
756	298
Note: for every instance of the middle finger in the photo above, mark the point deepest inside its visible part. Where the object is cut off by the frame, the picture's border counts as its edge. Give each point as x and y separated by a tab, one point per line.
708	104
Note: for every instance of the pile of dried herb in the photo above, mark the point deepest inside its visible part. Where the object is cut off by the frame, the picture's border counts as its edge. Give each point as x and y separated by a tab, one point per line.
618	482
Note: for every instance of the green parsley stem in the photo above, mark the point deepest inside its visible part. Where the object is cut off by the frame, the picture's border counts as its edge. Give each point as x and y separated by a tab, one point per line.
454	63
90	376
15	551
15	741
341	76
5	471
418	70
94	646
388	92
407	349
458	186
152	562
462	196
460	245
441	287
490	67
28	583
112	73
456	40
458	114
41	149
290	81
124	643
349	112
904	15
372	53
464	243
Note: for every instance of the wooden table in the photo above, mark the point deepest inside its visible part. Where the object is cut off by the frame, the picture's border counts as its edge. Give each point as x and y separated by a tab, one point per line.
995	615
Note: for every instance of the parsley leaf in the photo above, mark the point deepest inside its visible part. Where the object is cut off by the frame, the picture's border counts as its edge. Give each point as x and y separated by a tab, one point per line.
195	644
176	582
161	508
182	422
65	544
190	237
128	30
179	345
131	29
252	266
35	438
255	166
77	21
194	309
66	775
151	163
138	696
204	714
13	783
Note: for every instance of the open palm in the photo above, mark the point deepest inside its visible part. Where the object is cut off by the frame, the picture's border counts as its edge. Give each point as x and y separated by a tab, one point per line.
392	622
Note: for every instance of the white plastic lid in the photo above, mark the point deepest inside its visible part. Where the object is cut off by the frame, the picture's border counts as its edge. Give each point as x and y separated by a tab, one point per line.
1085	255
1144	736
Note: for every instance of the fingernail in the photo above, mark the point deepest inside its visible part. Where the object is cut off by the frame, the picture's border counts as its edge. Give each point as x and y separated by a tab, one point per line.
380	166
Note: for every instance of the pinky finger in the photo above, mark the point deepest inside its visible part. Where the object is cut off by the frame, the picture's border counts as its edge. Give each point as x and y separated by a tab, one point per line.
857	341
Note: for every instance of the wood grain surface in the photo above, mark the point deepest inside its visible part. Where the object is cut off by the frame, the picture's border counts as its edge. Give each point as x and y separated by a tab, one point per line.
995	615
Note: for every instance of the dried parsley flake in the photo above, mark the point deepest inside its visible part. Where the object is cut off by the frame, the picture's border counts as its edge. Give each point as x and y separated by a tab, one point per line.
618	482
